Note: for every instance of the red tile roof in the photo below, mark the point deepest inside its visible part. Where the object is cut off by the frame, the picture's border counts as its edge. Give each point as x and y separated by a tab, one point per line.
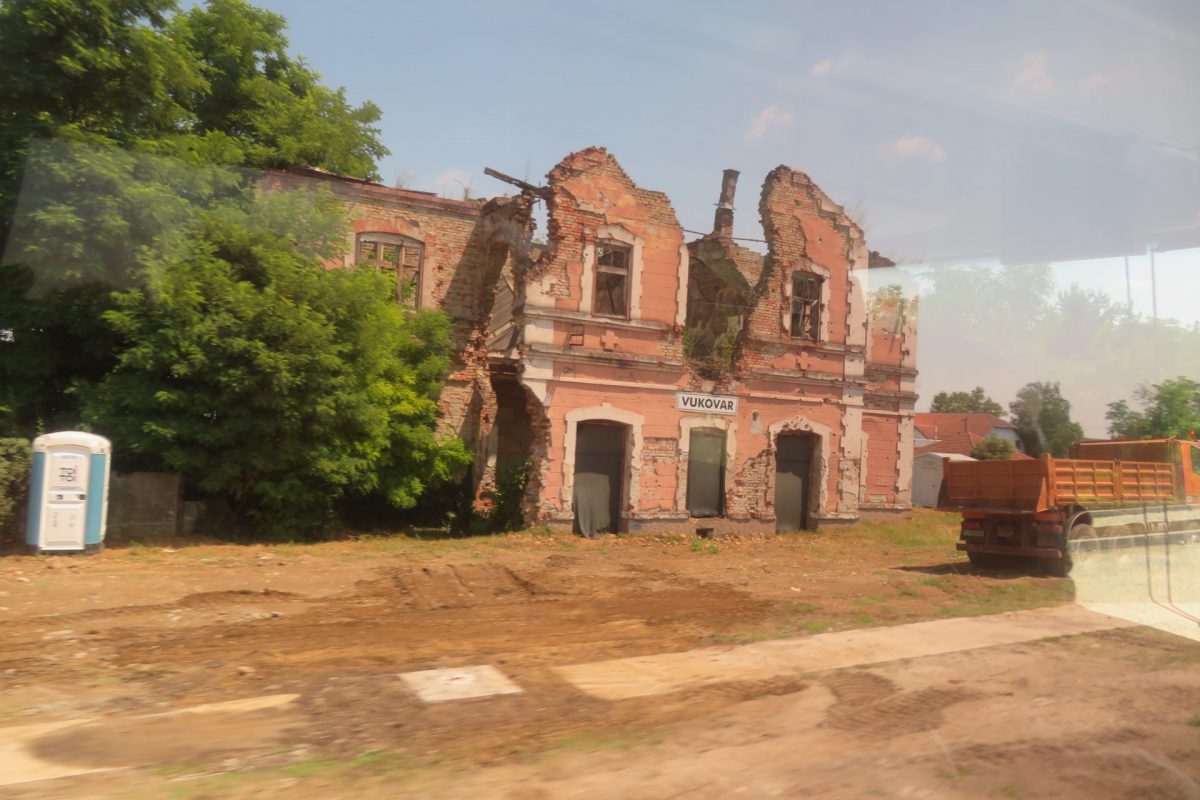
962	444
933	425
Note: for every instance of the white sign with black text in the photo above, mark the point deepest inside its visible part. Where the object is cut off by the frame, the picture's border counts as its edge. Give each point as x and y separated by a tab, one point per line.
706	403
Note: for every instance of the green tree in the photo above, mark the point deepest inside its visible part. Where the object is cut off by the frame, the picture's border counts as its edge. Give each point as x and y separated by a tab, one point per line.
271	107
1043	419
975	401
1170	409
270	381
994	448
91	89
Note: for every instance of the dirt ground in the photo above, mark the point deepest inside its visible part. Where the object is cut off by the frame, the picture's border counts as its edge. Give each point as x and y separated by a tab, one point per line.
126	637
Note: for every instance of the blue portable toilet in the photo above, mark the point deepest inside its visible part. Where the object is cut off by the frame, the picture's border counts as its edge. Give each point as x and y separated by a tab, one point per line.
68	492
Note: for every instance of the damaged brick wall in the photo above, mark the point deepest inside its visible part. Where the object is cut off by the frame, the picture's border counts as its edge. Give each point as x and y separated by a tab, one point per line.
570	361
458	275
574	358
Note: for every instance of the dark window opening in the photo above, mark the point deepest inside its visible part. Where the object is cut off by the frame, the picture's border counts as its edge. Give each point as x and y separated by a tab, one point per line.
1196	458
706	473
806	306
612	280
398	255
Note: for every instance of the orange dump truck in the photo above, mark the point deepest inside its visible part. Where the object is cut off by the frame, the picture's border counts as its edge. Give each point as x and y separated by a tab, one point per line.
1047	508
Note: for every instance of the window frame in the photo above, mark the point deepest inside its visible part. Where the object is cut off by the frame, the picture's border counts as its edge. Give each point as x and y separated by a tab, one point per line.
812	305
625	270
404	245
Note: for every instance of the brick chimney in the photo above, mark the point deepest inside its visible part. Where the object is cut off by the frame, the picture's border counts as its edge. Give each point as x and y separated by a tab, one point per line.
723	220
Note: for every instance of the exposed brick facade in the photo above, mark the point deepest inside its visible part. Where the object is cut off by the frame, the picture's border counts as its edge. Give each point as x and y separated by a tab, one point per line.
709	317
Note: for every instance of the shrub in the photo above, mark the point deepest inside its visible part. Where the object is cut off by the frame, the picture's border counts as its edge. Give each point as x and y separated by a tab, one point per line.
14	485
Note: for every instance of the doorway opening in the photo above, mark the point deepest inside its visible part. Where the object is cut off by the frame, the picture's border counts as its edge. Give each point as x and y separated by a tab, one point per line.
706	473
793	481
599	476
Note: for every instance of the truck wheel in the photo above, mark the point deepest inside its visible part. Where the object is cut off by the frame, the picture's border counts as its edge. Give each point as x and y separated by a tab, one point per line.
1058	567
1083	541
985	560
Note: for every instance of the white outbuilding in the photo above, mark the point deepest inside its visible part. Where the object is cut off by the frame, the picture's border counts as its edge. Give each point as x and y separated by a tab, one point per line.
927	476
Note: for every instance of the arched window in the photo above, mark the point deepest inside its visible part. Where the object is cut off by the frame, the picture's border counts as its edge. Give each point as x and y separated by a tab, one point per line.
399	255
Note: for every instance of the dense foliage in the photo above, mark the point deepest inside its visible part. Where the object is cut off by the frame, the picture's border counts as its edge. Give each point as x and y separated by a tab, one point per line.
14	478
1170	409
150	290
1043	420
271	381
994	448
89	91
975	401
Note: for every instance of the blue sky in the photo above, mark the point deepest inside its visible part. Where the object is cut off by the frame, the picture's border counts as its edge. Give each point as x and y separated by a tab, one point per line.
1013	131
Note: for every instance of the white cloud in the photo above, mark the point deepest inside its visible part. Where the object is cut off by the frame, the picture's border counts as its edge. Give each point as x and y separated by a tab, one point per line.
822	68
454	183
769	120
1034	75
1097	81
916	147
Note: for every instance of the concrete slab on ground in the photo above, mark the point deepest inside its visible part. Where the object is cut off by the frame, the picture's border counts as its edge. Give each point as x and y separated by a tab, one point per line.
641	676
458	683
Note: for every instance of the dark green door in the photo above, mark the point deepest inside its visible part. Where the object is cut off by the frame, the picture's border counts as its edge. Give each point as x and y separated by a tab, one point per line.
599	469
793	474
706	473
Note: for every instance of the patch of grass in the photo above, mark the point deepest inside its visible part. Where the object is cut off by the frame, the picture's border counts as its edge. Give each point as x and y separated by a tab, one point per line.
313	766
1194	722
374	763
955	774
1007	790
924	529
936	581
908	591
176	770
701	546
800	608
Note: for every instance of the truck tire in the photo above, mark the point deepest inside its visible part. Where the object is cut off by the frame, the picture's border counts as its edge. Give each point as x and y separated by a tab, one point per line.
1083	541
987	560
1058	567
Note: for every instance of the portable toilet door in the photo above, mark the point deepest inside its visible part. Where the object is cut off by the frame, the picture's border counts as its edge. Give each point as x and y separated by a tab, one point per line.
68	498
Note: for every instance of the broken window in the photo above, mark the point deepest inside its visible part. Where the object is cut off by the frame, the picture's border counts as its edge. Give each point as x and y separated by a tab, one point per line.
706	473
398	255
612	280
806	306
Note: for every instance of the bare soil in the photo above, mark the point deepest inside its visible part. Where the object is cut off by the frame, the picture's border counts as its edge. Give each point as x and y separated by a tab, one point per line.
145	629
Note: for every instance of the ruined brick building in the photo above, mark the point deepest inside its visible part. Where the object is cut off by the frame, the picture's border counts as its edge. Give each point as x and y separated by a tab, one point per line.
643	381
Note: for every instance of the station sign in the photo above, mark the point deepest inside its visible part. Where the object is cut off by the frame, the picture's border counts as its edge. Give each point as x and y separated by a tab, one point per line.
706	403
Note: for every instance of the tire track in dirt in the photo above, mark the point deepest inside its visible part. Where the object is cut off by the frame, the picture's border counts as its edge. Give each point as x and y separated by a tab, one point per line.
872	706
1089	765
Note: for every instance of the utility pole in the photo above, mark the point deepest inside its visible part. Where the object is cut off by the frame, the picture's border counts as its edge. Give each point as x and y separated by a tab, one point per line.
1128	289
1154	307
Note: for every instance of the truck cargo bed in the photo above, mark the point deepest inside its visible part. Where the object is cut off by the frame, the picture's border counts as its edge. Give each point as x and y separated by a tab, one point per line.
1047	483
